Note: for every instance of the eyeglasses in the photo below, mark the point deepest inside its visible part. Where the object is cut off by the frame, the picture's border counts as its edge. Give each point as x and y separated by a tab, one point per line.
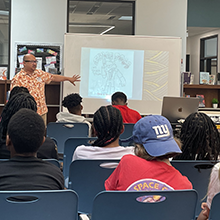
31	61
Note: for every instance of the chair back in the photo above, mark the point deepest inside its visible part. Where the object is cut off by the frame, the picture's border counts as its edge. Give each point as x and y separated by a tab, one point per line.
87	178
214	210
35	205
198	173
170	205
53	161
69	147
62	131
127	131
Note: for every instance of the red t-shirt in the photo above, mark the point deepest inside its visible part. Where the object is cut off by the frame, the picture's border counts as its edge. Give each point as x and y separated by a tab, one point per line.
136	174
128	115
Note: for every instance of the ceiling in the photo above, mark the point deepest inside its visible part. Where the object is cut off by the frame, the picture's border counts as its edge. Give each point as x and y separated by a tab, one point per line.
96	17
192	31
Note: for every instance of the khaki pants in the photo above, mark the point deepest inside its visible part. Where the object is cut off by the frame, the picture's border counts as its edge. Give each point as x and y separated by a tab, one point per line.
44	116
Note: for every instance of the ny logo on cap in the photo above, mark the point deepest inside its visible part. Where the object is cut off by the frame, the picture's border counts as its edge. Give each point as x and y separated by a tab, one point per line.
161	131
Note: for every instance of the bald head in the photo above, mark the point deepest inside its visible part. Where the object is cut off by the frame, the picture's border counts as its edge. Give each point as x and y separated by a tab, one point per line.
29	57
30	63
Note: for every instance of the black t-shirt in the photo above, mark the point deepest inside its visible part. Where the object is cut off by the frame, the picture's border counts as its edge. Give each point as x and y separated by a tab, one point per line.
29	173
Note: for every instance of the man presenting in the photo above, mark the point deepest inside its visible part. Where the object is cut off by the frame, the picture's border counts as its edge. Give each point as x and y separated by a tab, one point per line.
35	79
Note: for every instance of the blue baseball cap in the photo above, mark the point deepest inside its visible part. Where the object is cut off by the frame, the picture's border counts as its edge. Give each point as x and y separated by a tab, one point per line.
155	133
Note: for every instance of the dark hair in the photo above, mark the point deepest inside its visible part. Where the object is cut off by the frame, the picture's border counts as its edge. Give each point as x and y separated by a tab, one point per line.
26	130
18	89
108	124
72	102
18	101
119	95
200	138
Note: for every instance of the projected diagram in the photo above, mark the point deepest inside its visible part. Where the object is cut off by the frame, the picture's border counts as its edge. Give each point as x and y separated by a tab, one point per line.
110	71
155	75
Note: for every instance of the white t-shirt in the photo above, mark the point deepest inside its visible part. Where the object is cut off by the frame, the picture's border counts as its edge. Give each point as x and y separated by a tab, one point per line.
99	153
72	118
214	184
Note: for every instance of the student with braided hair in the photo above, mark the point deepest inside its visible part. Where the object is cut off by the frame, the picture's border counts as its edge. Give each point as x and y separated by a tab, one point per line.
20	98
73	103
200	138
16	102
108	125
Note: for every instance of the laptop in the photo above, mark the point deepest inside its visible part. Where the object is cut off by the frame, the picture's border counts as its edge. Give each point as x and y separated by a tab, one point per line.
175	108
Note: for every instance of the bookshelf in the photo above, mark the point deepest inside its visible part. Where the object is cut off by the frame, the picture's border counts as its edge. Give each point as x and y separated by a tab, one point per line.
209	92
52	92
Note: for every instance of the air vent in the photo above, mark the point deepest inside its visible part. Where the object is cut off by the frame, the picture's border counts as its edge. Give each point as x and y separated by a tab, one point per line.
111	18
94	8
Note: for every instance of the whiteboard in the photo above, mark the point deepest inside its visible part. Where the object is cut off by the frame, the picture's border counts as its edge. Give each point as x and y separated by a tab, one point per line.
145	68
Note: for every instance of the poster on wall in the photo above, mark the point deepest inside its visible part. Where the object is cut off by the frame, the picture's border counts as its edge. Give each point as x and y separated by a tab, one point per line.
3	72
49	57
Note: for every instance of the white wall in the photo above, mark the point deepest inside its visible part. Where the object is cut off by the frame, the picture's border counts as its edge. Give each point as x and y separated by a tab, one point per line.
37	21
44	21
162	18
194	51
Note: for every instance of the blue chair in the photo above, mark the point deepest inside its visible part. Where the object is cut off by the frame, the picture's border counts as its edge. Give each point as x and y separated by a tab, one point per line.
53	161
87	177
62	131
198	172
127	131
35	205
69	147
214	210
124	205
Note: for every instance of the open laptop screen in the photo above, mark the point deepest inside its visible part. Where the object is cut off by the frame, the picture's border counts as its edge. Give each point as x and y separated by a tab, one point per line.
175	108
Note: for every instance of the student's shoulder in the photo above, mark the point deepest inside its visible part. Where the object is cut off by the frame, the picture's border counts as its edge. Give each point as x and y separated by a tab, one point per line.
129	157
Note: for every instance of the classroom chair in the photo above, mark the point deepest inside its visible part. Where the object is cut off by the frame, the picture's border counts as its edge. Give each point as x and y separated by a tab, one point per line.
69	147
198	172
127	131
62	131
35	205
127	205
87	177
214	210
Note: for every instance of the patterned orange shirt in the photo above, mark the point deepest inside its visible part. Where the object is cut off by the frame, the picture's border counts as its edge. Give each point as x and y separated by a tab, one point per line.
35	83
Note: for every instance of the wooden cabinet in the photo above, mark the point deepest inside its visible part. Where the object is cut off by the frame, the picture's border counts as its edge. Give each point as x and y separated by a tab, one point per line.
52	92
209	92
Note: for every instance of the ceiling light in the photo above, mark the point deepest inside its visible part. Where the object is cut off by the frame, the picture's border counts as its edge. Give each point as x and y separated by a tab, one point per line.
126	18
4	13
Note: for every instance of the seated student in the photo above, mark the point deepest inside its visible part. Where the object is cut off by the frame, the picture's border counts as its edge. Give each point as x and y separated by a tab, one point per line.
108	126
24	171
19	100
150	169
213	189
16	90
73	103
119	101
200	138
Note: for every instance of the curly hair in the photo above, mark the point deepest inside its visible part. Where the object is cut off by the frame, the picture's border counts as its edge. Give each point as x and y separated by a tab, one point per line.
72	102
26	130
200	138
108	124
